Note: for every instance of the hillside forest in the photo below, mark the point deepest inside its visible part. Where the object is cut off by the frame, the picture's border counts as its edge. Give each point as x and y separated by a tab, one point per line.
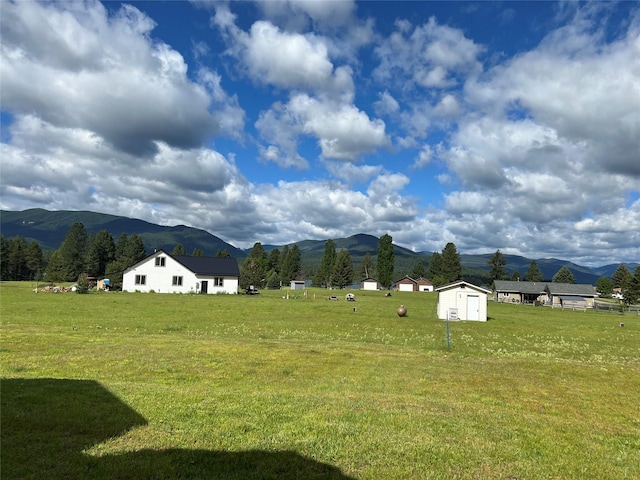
83	255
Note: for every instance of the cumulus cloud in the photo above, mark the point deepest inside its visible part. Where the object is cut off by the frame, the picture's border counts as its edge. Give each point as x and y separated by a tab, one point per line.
103	74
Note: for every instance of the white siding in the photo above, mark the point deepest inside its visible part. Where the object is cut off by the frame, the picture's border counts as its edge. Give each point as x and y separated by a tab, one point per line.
457	298
371	285
405	287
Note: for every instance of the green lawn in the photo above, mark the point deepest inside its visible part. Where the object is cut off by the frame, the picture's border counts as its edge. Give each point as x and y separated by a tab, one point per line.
123	385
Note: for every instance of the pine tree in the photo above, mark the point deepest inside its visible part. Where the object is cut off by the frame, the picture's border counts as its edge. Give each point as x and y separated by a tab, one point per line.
4	259
533	273
497	264
564	275
197	253
35	260
223	253
254	268
434	270
385	263
342	274
328	260
621	277
418	270
102	251
290	265
604	286
179	250
631	294
72	252
274	260
451	265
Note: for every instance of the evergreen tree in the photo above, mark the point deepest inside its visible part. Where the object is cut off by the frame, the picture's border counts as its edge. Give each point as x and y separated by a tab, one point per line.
631	294
533	273
102	251
254	268
73	251
56	269
621	277
129	251
223	253
434	270
515	277
290	265
604	286
17	268
328	260
274	260
386	261
497	263
179	250
418	270
342	274
4	259
35	261
451	265
197	253
367	268
274	280
564	275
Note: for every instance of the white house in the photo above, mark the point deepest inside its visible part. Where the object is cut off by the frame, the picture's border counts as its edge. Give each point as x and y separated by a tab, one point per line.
164	273
467	301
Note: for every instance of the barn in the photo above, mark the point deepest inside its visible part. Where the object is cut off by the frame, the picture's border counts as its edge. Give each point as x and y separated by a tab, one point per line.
467	301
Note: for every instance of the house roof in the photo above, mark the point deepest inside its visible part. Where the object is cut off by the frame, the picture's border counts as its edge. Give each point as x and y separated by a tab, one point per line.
405	279
581	289
519	287
370	279
462	284
226	267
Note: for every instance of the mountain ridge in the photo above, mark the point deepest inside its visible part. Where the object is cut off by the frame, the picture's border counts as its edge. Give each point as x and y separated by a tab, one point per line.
49	228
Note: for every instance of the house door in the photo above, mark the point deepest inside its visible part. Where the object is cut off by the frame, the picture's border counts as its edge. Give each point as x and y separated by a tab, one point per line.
473	308
204	286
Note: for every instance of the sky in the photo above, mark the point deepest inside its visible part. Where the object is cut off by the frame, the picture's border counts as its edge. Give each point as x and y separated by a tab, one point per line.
493	125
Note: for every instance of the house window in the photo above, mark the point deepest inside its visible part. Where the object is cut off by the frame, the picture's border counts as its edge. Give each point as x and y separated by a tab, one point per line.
160	261
218	281
506	294
141	279
177	281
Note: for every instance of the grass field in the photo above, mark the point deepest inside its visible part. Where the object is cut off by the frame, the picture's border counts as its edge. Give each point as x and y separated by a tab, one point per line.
131	386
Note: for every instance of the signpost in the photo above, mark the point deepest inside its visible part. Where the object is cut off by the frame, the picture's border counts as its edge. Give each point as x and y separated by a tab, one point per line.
452	314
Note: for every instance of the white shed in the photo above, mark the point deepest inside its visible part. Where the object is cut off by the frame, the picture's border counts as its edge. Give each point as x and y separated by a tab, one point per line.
468	300
297	284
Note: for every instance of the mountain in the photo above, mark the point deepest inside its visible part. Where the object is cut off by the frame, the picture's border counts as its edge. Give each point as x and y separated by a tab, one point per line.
49	229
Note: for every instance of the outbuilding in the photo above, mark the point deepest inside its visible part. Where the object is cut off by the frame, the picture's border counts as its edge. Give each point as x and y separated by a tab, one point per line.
297	284
406	284
370	284
464	300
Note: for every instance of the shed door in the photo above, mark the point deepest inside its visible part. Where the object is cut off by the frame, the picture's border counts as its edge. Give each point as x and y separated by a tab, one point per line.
473	307
204	286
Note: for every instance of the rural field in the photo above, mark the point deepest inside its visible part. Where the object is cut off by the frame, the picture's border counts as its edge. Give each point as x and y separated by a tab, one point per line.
119	385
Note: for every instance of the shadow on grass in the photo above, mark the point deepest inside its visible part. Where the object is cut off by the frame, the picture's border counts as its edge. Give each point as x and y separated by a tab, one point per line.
47	423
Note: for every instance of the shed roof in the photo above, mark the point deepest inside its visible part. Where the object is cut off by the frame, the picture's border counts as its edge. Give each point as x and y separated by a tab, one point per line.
462	284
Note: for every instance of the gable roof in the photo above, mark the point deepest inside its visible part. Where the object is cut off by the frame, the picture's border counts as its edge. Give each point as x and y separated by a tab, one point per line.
225	267
424	281
406	277
581	289
462	284
519	287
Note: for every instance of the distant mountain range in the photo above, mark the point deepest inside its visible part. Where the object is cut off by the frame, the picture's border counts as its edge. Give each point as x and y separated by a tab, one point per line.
49	229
